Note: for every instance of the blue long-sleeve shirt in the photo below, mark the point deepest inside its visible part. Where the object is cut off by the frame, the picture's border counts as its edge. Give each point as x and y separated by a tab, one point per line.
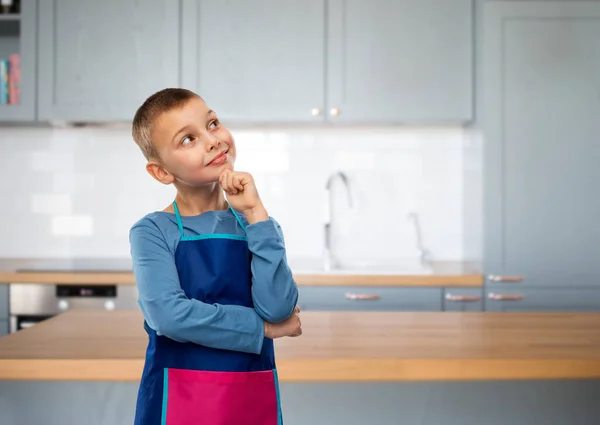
166	308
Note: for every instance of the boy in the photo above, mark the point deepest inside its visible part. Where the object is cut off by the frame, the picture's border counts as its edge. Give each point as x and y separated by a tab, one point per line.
214	285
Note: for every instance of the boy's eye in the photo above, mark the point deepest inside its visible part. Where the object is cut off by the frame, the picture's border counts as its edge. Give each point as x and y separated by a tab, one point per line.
186	140
213	124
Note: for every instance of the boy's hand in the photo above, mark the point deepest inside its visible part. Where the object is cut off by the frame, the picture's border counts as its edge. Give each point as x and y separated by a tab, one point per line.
289	327
242	195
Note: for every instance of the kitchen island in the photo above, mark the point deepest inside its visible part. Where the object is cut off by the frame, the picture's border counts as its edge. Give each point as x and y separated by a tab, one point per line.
347	368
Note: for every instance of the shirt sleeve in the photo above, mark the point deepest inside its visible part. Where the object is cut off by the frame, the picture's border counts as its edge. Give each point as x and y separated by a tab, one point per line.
274	291
171	313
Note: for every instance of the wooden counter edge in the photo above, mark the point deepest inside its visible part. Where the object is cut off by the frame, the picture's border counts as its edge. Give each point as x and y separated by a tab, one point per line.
125	278
323	370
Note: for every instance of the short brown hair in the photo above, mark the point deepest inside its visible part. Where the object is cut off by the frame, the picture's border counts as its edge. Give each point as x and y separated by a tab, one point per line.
157	104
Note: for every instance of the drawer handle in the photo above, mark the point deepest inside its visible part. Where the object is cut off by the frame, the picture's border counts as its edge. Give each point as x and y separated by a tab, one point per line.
496	278
465	298
505	297
362	297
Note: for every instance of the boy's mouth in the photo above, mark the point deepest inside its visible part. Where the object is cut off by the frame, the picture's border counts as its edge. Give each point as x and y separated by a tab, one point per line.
219	159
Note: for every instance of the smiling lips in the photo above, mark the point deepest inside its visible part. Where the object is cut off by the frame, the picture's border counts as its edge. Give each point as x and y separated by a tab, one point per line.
219	159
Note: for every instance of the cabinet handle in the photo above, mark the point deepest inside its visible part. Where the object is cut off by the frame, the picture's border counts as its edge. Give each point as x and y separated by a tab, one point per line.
334	112
466	298
505	297
496	278
361	297
315	112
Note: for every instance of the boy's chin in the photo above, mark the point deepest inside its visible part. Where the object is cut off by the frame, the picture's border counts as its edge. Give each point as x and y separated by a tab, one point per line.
227	166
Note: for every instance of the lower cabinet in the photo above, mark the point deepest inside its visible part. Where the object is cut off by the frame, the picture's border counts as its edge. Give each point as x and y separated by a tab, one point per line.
3	328
503	298
463	299
496	297
369	298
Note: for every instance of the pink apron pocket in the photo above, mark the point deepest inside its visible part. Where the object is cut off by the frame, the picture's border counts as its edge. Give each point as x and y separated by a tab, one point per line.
220	398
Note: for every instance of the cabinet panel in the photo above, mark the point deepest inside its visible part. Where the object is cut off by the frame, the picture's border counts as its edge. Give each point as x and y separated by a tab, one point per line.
463	299
368	298
543	299
541	79
258	61
99	61
3	328
400	61
3	302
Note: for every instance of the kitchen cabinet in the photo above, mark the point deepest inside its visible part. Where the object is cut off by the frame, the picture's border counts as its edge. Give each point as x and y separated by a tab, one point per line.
256	61
500	402
553	299
400	61
17	36
3	328
369	298
541	78
3	302
463	299
98	61
346	61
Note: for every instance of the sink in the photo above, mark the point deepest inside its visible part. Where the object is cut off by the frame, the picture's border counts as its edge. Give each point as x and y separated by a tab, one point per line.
388	267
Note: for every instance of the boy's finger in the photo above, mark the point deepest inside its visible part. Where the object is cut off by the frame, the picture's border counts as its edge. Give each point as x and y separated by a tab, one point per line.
238	183
230	183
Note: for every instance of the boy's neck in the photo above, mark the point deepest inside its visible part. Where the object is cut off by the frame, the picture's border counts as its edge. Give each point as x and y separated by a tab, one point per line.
195	201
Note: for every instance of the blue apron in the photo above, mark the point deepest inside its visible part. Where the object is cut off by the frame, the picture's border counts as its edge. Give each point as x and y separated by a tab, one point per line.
186	383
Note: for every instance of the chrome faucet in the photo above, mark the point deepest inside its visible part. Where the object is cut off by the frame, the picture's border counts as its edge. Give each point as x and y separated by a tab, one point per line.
329	260
425	254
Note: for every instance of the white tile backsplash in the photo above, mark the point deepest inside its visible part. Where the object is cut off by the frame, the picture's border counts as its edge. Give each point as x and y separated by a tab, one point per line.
77	191
66	225
51	203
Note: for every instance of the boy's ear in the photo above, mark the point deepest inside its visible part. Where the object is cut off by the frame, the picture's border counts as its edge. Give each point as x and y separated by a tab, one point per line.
157	171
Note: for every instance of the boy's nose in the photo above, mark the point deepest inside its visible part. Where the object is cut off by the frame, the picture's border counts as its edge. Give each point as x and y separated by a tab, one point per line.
212	142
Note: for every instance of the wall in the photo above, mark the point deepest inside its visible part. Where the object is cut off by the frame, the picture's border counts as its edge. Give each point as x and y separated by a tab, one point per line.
76	191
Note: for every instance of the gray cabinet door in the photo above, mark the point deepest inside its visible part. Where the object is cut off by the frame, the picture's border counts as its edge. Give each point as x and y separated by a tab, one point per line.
256	61
463	299
368	298
400	61
553	299
3	302
3	328
541	129
99	60
18	36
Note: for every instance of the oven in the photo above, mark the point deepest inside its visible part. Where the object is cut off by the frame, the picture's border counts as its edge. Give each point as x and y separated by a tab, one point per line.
31	303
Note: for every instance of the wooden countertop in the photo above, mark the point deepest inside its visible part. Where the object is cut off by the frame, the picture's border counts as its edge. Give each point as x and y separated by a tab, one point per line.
118	271
335	346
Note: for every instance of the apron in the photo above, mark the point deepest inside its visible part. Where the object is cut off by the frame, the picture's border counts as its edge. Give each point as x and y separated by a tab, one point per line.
186	383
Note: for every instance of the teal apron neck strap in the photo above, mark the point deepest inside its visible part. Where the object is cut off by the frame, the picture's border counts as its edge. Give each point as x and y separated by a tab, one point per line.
237	217
178	217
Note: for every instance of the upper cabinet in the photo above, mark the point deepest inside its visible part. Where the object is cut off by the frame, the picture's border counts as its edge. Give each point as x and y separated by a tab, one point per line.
260	61
256	61
17	68
377	61
400	61
98	60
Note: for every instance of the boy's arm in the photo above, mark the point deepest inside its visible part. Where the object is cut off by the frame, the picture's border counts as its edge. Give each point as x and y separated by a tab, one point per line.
274	291
171	313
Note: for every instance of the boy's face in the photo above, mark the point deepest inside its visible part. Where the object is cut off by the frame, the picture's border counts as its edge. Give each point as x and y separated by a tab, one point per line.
194	147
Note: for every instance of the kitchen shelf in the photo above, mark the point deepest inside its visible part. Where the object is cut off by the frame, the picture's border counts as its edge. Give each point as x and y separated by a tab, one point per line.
18	36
